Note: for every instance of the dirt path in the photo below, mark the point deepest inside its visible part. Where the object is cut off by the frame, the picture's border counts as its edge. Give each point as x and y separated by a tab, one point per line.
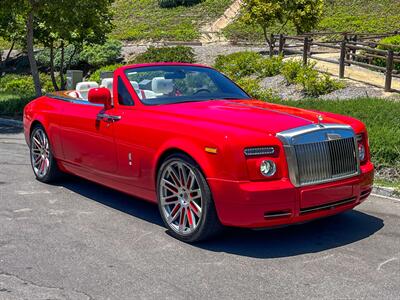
211	32
355	73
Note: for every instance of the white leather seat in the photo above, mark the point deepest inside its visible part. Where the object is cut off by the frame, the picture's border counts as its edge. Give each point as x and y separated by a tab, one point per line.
108	84
162	86
83	88
135	85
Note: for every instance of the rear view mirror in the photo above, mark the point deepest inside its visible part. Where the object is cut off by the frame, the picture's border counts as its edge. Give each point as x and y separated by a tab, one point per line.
100	96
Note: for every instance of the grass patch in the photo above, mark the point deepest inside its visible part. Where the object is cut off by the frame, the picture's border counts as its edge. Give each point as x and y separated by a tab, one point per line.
146	20
368	16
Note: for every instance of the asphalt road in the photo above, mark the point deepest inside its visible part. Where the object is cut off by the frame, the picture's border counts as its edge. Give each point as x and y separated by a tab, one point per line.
78	240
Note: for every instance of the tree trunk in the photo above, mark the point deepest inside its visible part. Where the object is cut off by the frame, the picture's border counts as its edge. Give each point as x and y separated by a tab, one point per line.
62	81
268	41
31	54
53	77
71	58
9	51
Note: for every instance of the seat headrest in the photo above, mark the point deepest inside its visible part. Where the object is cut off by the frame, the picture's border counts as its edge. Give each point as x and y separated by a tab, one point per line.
84	87
135	85
108	83
160	85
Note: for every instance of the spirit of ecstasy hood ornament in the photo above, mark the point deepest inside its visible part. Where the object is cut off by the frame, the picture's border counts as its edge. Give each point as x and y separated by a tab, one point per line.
320	119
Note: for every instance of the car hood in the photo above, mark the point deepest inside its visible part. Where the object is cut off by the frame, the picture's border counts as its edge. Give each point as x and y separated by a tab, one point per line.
247	114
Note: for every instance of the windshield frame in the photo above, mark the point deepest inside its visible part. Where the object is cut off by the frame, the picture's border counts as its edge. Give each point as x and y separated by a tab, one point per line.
183	99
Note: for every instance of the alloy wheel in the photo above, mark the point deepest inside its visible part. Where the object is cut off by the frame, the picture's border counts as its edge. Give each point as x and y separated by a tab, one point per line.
181	197
40	153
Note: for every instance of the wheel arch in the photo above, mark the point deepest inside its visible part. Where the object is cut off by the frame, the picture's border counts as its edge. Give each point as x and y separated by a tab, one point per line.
198	155
32	126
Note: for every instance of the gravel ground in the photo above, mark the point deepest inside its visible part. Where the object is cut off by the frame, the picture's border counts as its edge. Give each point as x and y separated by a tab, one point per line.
354	90
205	54
279	87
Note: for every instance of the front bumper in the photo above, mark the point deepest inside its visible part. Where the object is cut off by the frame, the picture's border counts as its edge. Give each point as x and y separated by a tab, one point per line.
276	203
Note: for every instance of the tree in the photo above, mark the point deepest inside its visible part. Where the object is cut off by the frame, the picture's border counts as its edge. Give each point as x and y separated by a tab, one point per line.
56	23
264	13
303	14
75	23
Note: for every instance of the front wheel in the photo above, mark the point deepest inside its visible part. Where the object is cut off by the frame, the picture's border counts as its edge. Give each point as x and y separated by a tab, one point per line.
185	201
43	162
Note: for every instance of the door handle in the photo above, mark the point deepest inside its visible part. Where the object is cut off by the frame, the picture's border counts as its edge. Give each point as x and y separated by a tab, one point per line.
108	118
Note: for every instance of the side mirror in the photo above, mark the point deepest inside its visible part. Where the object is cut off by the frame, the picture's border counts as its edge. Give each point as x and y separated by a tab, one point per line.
100	96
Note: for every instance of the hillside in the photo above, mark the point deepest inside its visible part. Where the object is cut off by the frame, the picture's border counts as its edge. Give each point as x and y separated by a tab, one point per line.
145	20
368	16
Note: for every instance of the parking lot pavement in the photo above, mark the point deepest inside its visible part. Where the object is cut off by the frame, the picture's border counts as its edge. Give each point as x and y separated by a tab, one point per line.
78	240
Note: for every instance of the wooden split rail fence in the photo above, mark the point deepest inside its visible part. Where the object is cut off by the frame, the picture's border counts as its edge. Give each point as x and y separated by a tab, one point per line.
355	49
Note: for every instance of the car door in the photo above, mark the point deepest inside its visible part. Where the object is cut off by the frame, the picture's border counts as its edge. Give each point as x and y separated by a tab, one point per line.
88	137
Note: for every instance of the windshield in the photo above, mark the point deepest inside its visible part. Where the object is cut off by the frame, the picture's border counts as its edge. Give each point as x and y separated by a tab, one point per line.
175	84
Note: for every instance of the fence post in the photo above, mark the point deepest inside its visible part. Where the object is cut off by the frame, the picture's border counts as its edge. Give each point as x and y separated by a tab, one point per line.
354	51
281	44
342	60
305	50
389	71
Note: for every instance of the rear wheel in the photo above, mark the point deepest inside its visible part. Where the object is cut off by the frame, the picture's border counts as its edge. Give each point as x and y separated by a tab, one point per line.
185	201
42	160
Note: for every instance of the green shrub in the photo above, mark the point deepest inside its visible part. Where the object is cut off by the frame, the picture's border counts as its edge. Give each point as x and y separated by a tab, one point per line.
43	57
291	69
95	76
317	85
313	83
175	3
165	54
241	64
252	87
393	40
13	105
22	85
102	55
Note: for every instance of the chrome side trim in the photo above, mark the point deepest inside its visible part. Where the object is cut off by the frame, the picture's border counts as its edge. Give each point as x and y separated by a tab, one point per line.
73	100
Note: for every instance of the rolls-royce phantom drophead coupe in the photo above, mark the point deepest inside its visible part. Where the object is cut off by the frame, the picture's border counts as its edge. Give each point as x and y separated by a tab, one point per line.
186	137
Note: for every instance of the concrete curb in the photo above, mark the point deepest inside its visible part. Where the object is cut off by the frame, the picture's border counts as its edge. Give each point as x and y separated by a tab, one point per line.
11	122
386	192
378	190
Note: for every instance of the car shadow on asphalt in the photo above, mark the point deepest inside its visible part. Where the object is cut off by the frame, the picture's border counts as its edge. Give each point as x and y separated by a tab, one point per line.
311	237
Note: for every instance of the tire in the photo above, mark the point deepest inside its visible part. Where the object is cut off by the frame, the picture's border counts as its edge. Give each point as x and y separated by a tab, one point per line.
43	163
185	200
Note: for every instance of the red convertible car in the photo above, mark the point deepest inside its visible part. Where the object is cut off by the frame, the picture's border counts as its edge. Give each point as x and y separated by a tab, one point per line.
188	138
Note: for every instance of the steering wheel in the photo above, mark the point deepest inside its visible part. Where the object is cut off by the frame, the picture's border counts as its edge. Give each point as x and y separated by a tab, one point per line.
202	91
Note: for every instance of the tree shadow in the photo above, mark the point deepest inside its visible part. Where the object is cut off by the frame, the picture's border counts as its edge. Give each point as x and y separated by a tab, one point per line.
5	129
311	237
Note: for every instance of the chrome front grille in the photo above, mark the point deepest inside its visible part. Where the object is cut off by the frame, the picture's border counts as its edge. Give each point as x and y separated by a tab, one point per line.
320	153
322	161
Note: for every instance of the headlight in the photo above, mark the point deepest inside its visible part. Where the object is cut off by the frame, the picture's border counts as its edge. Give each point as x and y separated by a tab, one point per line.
268	168
361	152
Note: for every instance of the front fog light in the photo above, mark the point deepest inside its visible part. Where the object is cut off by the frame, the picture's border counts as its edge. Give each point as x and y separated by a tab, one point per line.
268	168
361	152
